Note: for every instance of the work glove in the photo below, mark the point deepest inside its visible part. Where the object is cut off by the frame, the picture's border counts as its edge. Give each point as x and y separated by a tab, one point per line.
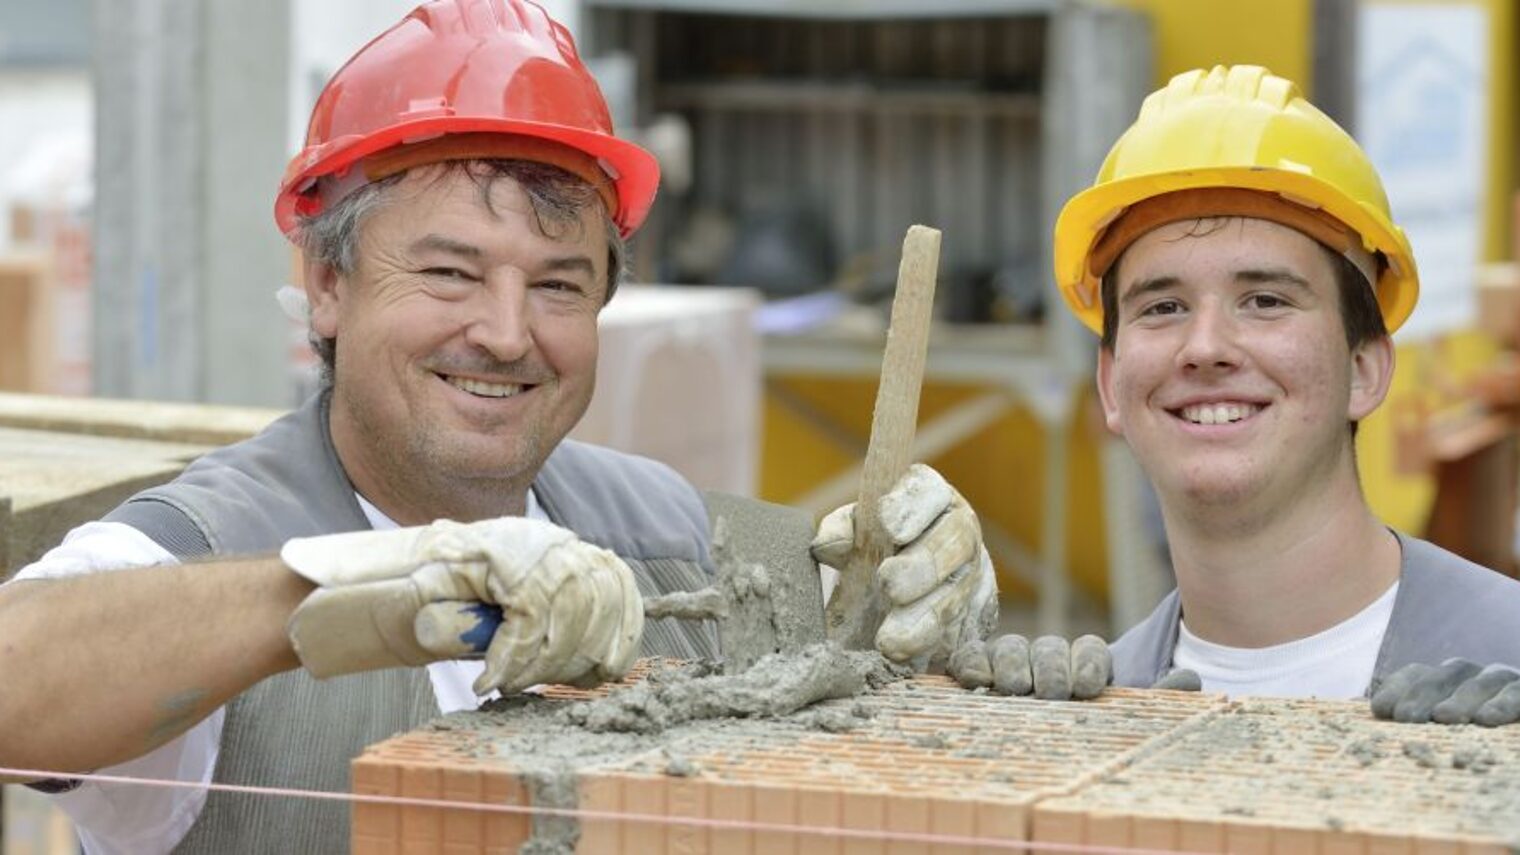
1455	692
1179	680
1050	669
570	612
939	584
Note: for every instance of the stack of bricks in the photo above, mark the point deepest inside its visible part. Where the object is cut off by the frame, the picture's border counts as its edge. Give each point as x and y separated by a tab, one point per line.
923	766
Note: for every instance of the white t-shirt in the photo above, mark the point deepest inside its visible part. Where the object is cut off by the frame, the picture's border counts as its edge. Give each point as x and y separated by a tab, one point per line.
135	820
1335	664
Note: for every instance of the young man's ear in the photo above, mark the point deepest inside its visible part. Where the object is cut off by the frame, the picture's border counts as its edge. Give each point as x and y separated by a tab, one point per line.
1106	393
321	281
1371	374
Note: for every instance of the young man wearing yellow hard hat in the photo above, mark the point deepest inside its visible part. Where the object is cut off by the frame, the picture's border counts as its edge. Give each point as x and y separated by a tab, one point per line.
1237	256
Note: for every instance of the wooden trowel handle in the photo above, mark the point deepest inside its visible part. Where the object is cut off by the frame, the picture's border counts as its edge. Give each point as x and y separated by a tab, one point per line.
857	608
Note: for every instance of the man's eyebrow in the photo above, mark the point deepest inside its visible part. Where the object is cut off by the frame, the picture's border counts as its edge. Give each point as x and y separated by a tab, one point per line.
1147	286
570	263
1255	275
560	264
443	244
1273	275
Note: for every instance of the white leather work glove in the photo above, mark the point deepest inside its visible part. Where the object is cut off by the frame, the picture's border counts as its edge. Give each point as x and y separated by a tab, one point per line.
571	612
939	584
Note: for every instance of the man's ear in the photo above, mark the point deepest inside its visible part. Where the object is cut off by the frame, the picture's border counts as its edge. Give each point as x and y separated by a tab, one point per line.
1106	393
1371	374
321	281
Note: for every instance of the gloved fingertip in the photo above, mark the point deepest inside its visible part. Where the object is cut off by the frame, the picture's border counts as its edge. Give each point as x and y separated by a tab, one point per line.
1390	692
1448	712
1412	712
1050	664
1180	680
902	644
1503	708
482	686
971	666
1092	667
1010	665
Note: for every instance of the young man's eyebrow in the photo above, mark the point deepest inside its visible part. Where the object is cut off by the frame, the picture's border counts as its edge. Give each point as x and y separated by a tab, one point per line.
1142	287
1254	275
1273	275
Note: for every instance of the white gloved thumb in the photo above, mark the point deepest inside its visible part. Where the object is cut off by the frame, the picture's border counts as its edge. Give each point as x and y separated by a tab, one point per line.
835	538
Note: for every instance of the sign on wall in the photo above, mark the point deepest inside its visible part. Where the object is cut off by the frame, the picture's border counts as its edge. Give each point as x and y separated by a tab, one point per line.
1422	116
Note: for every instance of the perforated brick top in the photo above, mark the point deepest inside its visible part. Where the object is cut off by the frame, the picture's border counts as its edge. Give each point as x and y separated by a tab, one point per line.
1154	770
920	756
1303	775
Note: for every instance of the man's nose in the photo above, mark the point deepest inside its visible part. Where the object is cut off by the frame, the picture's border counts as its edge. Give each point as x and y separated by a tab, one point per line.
1209	341
501	320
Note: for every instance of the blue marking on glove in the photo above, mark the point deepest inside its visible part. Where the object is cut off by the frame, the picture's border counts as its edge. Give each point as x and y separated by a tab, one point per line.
488	617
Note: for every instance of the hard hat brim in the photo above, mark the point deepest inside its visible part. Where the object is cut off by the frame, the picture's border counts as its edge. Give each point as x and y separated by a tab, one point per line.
635	173
1089	212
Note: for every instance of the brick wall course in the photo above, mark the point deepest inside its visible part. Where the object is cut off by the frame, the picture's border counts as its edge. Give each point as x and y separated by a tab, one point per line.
1163	771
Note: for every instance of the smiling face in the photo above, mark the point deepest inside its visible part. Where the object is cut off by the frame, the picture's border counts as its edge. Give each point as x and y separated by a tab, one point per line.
1230	376
466	344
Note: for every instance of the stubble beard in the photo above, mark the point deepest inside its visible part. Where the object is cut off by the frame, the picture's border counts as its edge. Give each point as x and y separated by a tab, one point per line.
442	473
451	469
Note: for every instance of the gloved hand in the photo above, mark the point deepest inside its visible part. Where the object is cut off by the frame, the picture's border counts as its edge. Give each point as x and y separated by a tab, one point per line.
939	584
1180	680
1455	692
571	612
1050	669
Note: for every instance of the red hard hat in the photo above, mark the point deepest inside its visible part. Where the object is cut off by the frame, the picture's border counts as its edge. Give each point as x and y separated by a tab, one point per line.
492	69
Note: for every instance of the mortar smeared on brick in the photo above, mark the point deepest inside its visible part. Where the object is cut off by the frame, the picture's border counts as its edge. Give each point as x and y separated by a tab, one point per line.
779	684
689	705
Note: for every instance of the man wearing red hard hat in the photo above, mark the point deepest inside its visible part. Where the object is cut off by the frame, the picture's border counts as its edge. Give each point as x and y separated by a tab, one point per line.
461	203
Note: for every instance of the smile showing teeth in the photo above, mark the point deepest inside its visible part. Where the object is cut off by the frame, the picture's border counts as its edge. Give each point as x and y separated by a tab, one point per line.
1218	414
483	389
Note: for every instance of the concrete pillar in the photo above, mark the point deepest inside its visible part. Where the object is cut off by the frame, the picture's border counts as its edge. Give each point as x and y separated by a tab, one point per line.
191	142
1098	67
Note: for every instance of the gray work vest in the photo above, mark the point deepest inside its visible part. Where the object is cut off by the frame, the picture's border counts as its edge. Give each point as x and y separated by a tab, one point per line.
1446	607
292	731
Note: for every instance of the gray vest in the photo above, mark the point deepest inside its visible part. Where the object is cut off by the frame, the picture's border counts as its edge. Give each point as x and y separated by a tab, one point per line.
293	731
1446	607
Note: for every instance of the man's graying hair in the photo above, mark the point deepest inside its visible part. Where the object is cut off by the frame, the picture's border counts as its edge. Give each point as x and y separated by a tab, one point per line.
557	197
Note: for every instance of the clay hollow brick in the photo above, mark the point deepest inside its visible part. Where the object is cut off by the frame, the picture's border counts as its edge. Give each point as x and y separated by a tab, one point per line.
1162	771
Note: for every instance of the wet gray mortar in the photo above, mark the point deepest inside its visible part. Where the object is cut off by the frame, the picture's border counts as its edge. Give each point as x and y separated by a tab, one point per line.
675	712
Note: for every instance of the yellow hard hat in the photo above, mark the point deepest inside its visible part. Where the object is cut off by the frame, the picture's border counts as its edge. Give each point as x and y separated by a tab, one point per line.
1235	128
